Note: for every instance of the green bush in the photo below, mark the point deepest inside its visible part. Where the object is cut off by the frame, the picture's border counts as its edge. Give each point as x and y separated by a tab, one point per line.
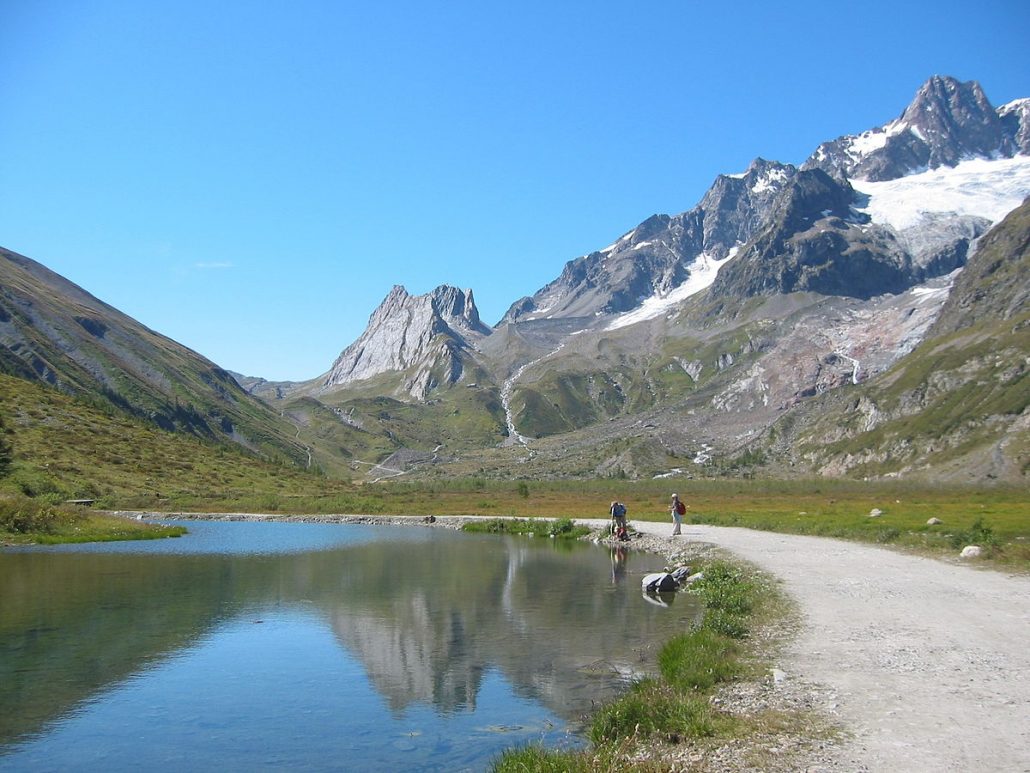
561	527
978	534
22	515
33	483
6	450
726	623
888	534
724	587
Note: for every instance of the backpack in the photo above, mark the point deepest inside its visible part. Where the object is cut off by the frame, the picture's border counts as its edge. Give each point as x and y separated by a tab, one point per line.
681	508
620	509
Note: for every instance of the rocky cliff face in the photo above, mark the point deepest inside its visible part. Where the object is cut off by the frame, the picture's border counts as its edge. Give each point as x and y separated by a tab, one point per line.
1015	117
662	253
994	285
814	242
790	231
957	407
948	121
426	337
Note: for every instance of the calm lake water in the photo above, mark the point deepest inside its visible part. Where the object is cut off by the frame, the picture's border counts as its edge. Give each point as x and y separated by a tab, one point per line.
250	646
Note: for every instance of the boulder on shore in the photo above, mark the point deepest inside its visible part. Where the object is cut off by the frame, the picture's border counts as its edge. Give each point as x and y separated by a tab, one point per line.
659	582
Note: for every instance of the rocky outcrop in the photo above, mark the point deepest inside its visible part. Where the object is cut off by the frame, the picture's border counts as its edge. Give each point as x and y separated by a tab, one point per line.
425	337
1015	117
948	121
994	284
813	243
661	253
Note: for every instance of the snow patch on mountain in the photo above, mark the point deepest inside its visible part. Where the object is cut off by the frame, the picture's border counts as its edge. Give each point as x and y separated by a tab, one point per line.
702	273
989	188
772	180
862	145
1014	106
618	242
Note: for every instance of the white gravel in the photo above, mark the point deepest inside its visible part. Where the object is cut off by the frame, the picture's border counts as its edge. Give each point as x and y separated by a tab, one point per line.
926	663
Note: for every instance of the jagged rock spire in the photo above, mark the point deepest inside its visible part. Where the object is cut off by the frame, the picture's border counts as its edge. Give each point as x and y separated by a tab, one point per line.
421	332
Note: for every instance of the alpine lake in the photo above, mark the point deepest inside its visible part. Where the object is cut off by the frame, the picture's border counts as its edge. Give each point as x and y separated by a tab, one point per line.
261	645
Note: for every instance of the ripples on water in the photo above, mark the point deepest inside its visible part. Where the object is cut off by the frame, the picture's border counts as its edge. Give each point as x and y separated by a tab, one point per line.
318	646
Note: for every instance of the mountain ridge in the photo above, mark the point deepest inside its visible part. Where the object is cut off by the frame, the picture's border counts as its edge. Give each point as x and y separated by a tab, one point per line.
692	341
55	332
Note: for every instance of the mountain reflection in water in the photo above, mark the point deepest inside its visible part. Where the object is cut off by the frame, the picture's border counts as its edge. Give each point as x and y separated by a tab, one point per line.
426	614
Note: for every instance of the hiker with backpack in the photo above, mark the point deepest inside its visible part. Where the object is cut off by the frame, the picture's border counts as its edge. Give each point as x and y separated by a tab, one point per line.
677	510
618	513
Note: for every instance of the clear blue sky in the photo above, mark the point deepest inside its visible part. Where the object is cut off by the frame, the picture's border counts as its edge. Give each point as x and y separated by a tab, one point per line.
251	178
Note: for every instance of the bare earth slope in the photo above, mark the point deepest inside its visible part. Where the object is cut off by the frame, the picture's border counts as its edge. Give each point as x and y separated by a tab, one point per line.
926	662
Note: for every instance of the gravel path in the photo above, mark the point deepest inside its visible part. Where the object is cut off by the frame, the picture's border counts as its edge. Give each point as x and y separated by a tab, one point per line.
926	663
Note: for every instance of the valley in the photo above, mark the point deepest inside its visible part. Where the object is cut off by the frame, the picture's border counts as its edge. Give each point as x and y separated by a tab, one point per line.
862	314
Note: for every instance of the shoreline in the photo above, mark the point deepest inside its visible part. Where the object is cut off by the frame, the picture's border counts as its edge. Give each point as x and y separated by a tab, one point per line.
892	661
804	741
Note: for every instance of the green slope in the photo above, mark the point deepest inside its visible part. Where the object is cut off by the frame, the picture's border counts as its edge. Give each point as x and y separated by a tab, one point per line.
54	332
66	448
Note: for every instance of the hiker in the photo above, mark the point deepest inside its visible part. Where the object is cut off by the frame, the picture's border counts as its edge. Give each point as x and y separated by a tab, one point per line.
677	510
618	513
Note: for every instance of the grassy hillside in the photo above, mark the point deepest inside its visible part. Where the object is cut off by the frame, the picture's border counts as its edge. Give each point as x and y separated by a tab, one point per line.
954	409
66	448
957	407
361	424
56	333
63	448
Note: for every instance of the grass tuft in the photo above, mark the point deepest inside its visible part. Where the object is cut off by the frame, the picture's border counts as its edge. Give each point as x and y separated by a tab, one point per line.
675	706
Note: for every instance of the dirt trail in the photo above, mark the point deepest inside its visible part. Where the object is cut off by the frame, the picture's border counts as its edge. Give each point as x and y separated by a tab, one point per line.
926	662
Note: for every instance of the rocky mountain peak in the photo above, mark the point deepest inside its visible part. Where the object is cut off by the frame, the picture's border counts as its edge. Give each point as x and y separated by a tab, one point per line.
735	207
1015	117
425	334
453	307
809	244
948	121
661	253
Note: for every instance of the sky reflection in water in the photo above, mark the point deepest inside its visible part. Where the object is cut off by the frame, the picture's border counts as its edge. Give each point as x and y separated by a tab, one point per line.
313	646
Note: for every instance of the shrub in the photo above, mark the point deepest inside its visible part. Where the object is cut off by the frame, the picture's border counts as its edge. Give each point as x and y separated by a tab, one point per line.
726	623
888	534
561	527
978	534
725	588
21	515
535	758
33	483
6	450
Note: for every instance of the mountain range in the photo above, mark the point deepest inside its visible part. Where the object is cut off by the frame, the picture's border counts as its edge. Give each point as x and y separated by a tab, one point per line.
862	314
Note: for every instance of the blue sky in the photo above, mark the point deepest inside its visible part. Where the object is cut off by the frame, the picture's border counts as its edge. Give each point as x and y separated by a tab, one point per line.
251	178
